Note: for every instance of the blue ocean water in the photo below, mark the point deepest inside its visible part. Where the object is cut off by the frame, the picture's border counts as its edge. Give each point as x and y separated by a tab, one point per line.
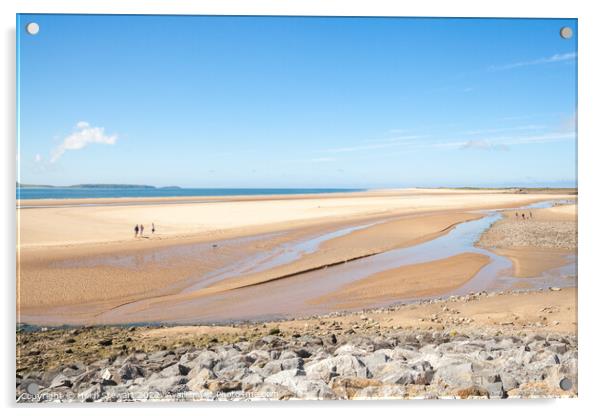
66	193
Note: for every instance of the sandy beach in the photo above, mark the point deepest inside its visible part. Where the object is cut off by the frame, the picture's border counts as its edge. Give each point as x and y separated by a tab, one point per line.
80	263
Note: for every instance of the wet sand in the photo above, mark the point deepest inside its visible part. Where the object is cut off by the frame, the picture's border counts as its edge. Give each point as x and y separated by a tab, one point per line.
406	282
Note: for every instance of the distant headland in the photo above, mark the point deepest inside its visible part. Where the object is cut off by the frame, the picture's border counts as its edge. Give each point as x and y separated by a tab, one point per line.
97	186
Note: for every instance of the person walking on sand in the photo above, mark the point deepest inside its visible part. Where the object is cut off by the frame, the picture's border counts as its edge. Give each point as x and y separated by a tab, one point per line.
530	215
523	219
136	231
516	213
153	229
142	229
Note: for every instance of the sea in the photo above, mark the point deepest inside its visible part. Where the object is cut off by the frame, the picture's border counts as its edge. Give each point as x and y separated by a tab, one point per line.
83	193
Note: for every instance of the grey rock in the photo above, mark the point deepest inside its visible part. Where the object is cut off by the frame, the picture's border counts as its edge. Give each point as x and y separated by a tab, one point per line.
129	371
91	394
455	375
344	365
349	349
282	377
200	380
381	392
61	380
509	382
251	381
496	390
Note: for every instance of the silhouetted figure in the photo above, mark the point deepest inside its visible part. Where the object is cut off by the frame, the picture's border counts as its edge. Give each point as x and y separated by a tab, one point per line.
530	215
136	230
516	213
142	228
153	229
523	219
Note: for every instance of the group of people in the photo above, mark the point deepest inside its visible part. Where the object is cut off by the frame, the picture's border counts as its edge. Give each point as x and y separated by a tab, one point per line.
139	230
524	216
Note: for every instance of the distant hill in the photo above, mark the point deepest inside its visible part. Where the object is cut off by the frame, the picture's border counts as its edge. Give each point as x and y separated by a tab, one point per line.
96	186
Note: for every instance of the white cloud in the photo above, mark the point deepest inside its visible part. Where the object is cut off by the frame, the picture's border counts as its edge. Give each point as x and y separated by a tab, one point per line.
83	135
559	57
38	158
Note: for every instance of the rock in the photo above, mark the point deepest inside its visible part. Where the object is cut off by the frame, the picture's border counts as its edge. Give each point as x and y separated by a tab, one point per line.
224	386
251	381
303	353
348	349
271	367
282	377
91	394
105	342
557	347
375	360
380	392
509	382
269	391
344	365
129	371
391	372
167	385
472	391
259	356
200	380
61	381
496	390
455	375
109	377
347	387
235	373
160	355
308	389
292	363
175	370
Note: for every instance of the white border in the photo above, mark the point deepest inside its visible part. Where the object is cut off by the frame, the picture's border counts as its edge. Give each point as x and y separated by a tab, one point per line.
590	33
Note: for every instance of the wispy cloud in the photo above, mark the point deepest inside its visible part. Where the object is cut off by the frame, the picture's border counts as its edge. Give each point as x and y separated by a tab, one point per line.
559	57
503	143
503	129
484	145
83	135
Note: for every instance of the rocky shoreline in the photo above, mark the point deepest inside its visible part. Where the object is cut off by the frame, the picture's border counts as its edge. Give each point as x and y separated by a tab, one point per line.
339	356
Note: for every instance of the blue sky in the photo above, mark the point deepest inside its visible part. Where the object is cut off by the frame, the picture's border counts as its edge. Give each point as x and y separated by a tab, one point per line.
296	102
